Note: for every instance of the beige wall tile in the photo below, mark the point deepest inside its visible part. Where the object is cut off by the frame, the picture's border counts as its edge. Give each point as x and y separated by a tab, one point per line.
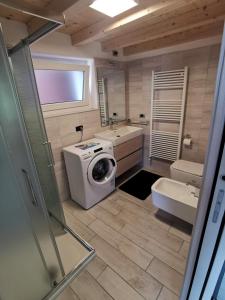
61	133
67	124
62	183
52	127
202	63
56	145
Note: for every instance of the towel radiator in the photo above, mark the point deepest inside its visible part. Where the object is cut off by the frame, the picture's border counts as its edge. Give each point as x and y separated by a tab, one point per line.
103	106
168	97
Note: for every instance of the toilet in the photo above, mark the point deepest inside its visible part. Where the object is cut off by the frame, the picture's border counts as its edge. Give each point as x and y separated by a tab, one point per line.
179	195
187	171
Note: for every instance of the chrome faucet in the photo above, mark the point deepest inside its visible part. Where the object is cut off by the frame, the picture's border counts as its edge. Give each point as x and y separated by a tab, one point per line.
193	189
112	122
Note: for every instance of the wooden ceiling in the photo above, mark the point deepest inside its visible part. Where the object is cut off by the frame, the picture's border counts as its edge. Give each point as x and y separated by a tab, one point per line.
152	24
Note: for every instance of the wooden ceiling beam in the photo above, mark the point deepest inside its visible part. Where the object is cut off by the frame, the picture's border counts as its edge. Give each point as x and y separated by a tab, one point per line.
55	7
12	14
161	17
163	24
188	35
52	11
137	14
78	15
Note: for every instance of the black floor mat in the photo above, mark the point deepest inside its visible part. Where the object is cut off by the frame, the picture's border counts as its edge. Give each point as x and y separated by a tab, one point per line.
140	184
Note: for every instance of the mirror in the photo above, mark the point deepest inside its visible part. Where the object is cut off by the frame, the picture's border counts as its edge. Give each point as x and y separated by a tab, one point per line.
111	93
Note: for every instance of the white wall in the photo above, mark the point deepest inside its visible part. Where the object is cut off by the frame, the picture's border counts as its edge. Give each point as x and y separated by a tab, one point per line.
57	43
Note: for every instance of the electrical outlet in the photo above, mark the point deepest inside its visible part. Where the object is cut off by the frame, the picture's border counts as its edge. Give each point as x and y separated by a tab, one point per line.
79	128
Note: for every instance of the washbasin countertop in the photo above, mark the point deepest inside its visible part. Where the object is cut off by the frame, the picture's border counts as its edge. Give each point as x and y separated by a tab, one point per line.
120	135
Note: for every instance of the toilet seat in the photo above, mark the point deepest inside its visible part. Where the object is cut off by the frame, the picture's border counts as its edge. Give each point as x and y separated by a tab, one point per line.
187	171
188	167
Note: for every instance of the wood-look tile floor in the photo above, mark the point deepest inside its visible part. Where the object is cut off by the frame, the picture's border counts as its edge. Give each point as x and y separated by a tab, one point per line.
141	252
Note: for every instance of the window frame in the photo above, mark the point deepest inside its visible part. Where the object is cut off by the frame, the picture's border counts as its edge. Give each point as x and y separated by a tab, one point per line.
63	108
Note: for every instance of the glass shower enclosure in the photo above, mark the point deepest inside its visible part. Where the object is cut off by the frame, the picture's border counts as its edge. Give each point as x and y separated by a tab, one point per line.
32	224
27	243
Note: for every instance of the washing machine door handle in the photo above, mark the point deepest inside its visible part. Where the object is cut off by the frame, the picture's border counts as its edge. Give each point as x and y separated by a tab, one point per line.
113	162
101	169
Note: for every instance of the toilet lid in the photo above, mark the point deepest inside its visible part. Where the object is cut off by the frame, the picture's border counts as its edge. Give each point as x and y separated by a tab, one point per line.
188	167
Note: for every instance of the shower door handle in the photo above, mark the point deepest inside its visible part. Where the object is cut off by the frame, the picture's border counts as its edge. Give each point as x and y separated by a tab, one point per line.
30	187
51	154
52	160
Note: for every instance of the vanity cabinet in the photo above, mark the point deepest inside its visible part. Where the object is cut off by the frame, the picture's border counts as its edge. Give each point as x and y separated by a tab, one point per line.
128	154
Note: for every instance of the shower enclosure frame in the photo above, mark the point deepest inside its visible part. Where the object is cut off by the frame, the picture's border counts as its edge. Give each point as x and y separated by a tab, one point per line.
59	286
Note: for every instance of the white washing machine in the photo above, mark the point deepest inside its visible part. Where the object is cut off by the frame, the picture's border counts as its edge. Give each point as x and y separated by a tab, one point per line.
91	170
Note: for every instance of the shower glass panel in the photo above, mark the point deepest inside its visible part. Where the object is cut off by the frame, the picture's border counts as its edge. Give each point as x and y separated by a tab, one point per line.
72	251
29	260
32	262
20	252
41	147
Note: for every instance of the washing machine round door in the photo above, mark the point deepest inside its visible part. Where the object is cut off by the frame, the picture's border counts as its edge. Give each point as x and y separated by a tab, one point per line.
101	169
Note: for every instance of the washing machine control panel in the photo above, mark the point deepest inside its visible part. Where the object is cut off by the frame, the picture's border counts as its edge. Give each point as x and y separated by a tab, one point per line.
87	150
92	152
98	149
86	156
87	146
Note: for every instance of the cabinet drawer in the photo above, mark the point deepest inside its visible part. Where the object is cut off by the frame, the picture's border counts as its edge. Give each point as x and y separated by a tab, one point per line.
128	162
128	147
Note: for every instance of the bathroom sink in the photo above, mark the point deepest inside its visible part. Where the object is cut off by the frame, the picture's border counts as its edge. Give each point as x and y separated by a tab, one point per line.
120	135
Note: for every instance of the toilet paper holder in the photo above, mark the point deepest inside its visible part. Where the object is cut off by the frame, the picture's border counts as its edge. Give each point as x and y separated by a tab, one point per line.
187	141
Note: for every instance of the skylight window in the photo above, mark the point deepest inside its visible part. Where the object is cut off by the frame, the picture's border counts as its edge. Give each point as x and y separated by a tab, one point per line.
113	8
